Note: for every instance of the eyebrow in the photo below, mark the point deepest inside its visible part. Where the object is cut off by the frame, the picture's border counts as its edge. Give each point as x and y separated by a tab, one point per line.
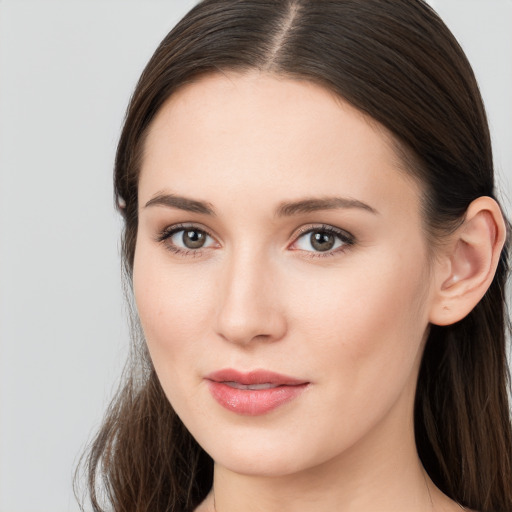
315	204
181	203
285	209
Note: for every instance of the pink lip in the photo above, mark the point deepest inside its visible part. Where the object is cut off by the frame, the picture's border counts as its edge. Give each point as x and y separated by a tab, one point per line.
253	402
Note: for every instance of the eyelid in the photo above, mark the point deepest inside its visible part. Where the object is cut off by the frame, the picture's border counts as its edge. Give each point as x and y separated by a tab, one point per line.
164	236
346	238
322	227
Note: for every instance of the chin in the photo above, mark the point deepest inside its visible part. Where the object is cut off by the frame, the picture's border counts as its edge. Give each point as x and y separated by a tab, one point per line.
261	465
269	453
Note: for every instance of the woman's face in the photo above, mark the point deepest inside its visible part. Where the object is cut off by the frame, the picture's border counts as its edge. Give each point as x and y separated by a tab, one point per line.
281	274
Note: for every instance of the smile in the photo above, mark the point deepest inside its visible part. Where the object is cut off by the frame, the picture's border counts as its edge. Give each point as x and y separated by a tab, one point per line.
253	393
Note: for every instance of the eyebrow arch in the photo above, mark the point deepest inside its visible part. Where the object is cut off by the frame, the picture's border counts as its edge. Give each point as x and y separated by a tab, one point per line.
327	203
285	209
181	203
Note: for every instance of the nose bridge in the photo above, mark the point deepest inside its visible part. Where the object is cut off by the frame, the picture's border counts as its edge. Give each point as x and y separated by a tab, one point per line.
248	305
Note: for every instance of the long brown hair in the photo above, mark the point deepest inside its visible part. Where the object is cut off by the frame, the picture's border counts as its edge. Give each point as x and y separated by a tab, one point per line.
396	61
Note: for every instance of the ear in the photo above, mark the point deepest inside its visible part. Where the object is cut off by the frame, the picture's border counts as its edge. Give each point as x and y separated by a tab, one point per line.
467	264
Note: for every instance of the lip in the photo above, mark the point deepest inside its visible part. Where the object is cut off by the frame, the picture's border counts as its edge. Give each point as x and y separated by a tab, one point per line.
240	392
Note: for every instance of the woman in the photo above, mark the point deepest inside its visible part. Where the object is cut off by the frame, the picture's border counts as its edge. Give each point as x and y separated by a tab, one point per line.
317	262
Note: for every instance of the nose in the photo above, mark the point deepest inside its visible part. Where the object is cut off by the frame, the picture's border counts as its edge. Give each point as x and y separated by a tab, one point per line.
249	308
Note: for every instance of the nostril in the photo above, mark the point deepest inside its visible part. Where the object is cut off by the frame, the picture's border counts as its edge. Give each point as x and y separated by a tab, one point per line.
244	326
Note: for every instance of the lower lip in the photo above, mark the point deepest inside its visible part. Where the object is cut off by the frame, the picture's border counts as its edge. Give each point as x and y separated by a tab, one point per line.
252	402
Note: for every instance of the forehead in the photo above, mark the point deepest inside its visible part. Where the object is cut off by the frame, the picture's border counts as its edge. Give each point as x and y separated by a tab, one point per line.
265	137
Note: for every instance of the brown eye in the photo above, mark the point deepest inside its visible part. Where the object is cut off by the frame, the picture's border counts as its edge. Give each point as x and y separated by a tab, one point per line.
322	241
193	238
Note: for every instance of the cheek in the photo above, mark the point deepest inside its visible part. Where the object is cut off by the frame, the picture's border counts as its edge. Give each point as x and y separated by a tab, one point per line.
369	319
172	304
172	301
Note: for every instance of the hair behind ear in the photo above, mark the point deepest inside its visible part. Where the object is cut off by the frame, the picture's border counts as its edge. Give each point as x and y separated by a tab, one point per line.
462	417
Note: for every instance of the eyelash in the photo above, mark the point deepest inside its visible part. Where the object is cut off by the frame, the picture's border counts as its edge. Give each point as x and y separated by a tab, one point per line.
170	231
346	238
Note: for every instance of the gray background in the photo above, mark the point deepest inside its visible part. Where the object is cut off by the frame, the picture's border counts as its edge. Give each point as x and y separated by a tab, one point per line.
67	69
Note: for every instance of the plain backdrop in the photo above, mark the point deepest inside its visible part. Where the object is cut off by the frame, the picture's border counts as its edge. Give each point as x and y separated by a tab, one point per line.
67	69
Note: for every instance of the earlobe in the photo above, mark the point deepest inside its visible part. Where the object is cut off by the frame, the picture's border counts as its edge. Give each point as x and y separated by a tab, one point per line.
469	262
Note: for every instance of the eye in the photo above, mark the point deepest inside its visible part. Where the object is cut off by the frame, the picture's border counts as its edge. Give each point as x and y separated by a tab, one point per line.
323	239
186	239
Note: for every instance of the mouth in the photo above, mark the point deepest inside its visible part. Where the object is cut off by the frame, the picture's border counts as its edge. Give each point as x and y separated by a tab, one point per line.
254	378
253	393
255	387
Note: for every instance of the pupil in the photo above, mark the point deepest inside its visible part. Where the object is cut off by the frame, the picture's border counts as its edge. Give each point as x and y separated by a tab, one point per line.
322	241
193	239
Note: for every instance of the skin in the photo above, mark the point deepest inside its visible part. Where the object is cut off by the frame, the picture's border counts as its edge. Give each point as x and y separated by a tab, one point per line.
352	321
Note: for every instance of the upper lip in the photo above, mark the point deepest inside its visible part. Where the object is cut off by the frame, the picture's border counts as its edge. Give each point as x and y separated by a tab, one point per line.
254	377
